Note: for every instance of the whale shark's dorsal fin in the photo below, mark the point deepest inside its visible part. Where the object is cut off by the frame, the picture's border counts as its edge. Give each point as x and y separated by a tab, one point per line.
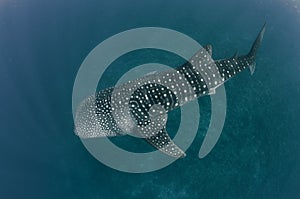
208	48
235	55
165	144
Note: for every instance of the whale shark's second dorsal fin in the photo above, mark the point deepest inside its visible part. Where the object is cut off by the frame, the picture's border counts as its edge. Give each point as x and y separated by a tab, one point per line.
208	48
164	143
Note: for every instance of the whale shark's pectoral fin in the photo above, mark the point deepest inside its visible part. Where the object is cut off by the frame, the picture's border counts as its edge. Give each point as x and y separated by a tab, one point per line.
156	134
208	48
164	143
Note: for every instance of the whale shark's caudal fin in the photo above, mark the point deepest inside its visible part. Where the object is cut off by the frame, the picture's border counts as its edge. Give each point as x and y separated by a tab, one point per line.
255	47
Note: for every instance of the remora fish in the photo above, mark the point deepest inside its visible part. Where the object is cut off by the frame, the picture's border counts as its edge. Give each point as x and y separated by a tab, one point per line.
140	107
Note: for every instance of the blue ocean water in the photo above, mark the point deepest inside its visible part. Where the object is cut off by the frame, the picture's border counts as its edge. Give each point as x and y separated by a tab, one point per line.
42	45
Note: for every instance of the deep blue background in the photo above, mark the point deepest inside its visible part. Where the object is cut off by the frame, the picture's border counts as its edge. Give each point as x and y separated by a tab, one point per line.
43	43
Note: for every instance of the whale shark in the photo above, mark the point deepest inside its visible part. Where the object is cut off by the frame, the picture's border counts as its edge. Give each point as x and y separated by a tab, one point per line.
140	107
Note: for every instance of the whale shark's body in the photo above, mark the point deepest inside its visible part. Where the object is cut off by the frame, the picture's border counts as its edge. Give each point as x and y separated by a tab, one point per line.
140	107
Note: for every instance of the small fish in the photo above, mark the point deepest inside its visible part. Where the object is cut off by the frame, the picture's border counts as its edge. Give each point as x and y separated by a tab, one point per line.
140	107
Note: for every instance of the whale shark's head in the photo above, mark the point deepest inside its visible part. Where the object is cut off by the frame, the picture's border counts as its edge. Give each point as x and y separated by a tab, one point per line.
94	117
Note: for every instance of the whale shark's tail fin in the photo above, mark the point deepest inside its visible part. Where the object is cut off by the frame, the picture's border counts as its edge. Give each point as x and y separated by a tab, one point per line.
257	42
255	47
